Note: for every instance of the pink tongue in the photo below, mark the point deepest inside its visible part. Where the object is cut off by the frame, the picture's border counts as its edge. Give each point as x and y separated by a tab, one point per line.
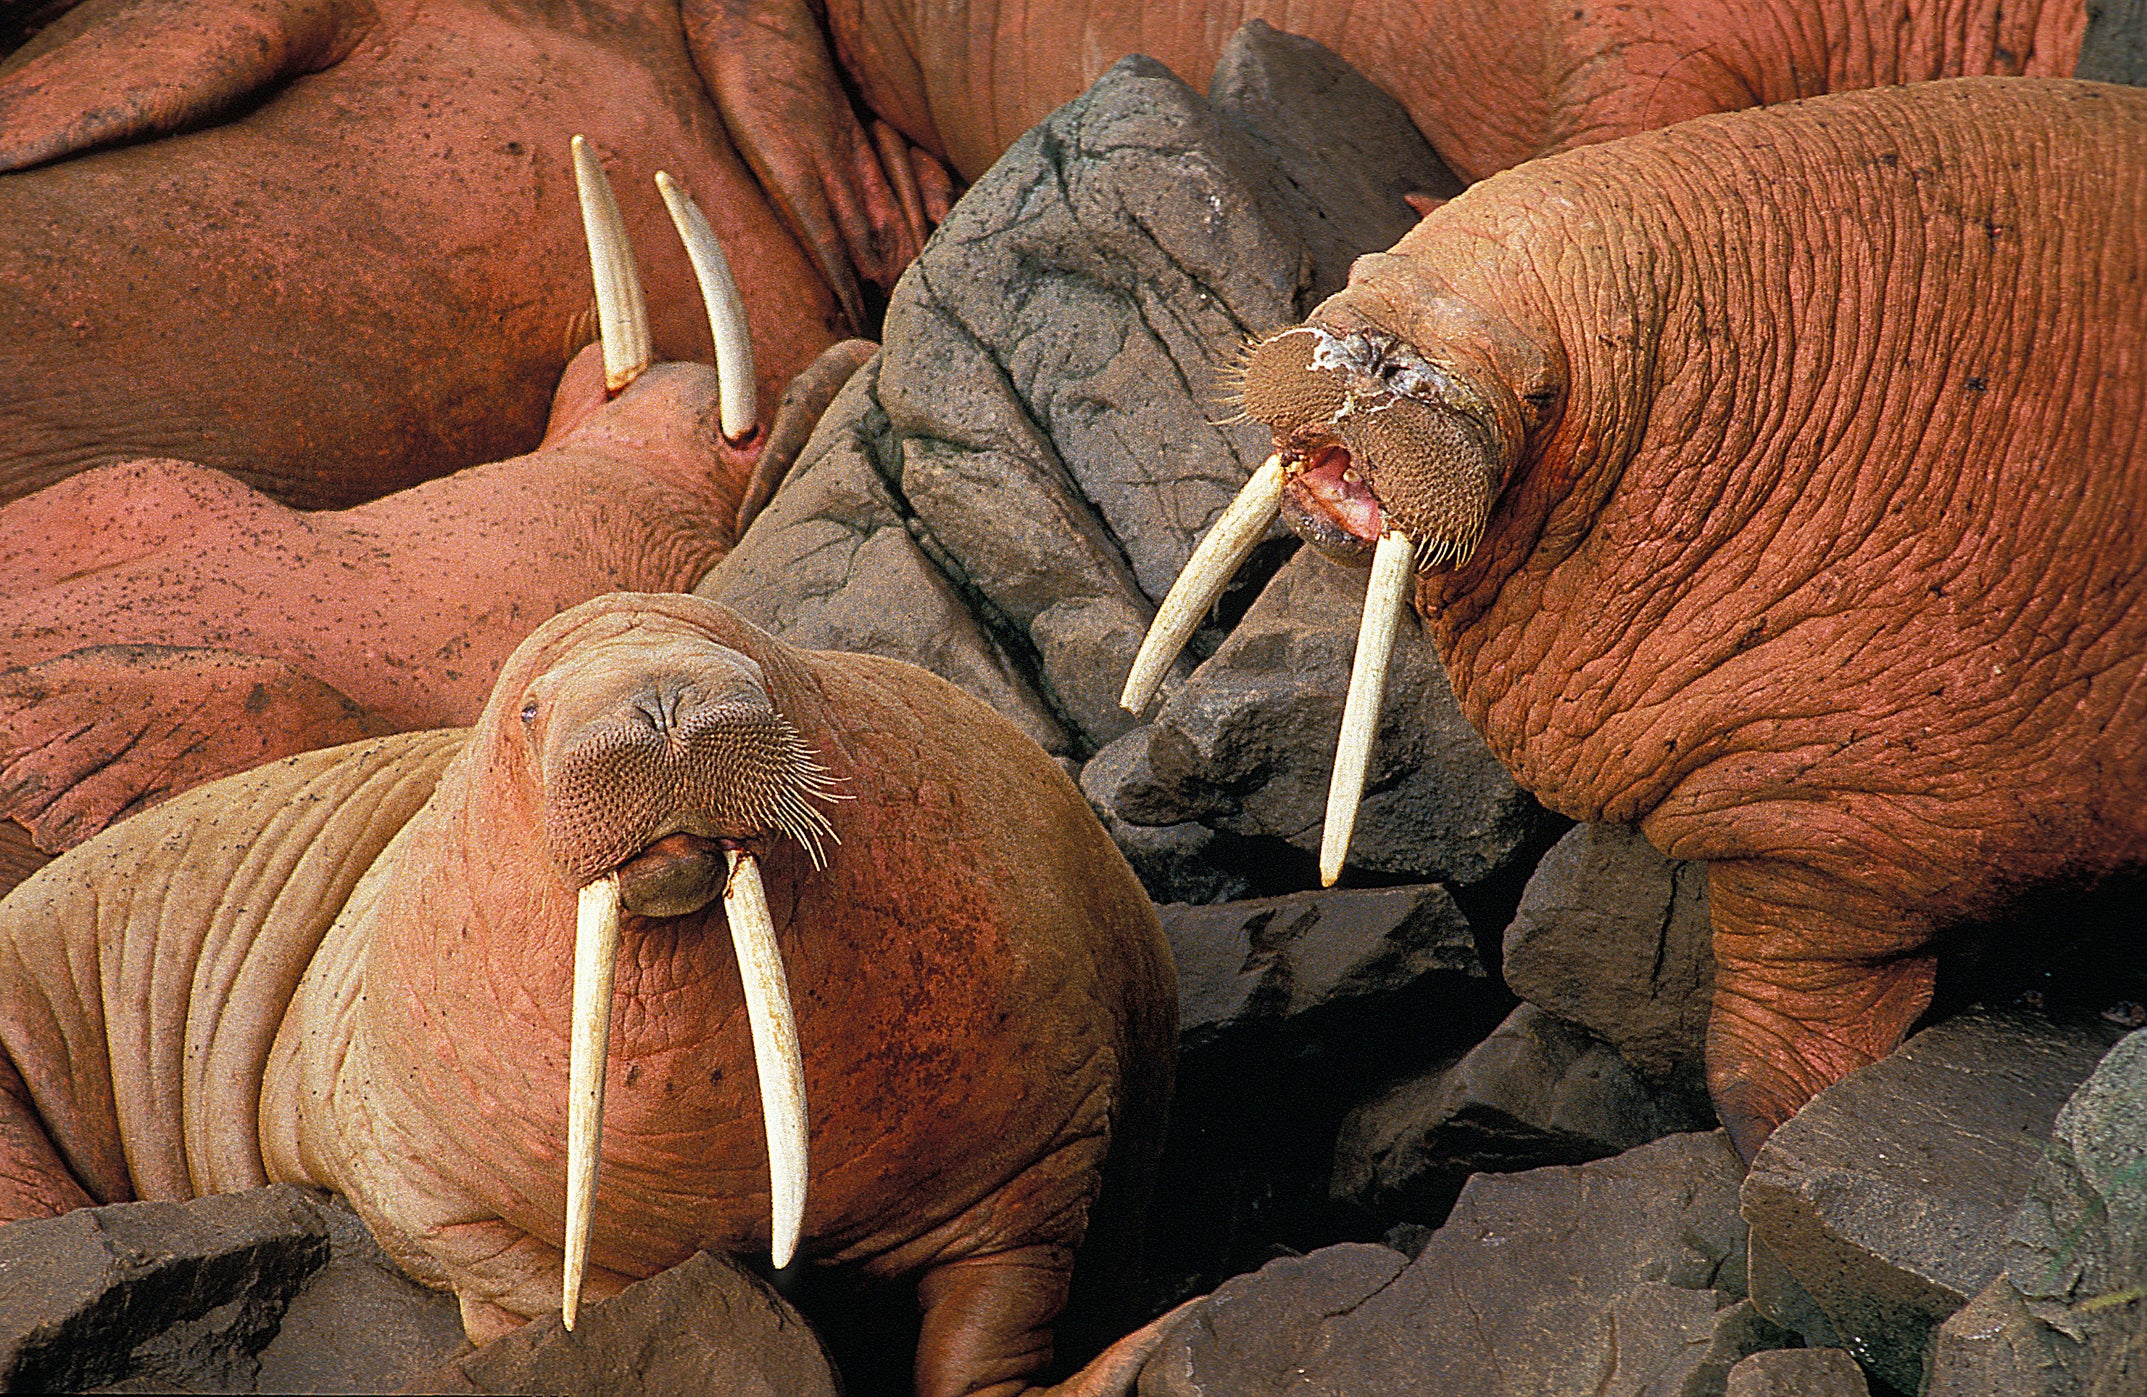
1331	486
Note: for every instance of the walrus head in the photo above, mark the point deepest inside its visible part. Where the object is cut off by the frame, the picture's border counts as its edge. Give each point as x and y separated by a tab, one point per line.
660	766
1387	444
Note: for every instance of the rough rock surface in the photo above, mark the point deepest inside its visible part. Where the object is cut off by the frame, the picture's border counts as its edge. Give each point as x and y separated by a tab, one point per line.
1620	1276
1887	1196
156	1294
1613	936
1537	1091
2115	46
1798	1372
1042	423
706	1325
1246	745
2069	1316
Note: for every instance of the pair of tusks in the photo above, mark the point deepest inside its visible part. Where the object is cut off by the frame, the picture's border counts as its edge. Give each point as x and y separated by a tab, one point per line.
622	315
776	1060
1210	569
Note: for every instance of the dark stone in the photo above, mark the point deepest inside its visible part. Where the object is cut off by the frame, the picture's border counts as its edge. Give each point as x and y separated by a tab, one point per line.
1537	1091
1887	1196
1623	1275
706	1325
1246	745
2114	49
162	1294
1798	1372
1615	937
2069	1316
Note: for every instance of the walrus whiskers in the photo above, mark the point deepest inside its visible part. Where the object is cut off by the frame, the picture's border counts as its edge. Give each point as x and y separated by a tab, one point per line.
1393	579
622	316
596	954
726	309
1214	562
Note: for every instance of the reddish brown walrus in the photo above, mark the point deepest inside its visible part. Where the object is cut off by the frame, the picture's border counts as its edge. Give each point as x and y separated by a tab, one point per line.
1489	82
1778	478
346	264
333	971
168	625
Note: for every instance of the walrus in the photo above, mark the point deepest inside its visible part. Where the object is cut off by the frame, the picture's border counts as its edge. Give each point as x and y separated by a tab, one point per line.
376	969
1770	482
168	624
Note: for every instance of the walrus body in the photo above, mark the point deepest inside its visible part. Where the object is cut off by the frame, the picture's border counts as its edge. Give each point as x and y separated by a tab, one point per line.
1805	449
350	970
347	262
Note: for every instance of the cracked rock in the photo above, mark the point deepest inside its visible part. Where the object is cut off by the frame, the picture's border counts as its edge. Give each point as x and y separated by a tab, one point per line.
1615	937
1536	1092
1798	1372
1888	1195
1620	1276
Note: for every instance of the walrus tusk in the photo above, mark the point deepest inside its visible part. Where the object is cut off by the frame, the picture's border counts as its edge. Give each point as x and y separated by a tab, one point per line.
775	1051
1207	572
596	953
622	317
726	309
1393	576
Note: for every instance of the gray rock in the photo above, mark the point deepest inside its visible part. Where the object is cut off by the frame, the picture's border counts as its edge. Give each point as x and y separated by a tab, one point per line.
705	1325
1798	1372
1615	937
1619	1276
1246	745
1887	1196
1243	965
360	1324
2114	49
2069	1316
163	1294
1537	1091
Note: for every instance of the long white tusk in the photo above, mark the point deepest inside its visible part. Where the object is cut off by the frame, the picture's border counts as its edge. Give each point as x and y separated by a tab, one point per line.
726	309
596	953
622	317
775	1051
1207	572
1393	578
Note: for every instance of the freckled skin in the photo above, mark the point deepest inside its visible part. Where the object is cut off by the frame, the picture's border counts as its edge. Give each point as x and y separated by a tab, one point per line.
355	261
168	625
1490	83
984	999
1817	555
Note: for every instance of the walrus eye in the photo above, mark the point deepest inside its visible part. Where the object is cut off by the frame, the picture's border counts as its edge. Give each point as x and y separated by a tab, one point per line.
529	711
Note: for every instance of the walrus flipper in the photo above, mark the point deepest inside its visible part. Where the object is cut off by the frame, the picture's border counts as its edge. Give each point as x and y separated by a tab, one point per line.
123	70
144	975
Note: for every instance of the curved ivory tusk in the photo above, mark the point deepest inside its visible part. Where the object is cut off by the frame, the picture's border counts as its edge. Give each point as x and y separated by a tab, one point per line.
1207	572
726	309
775	1051
596	953
622	317
1393	578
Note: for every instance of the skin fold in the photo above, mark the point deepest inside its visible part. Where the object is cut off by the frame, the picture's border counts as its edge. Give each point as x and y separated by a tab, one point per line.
1820	432
949	86
331	246
983	995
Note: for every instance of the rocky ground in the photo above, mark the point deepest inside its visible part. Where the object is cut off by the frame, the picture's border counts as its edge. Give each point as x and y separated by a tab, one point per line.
1440	1130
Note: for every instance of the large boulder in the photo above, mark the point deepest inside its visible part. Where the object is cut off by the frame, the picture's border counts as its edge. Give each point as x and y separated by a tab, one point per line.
1625	1275
1887	1197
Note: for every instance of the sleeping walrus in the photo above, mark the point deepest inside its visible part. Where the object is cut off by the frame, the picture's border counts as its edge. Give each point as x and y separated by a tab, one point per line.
361	970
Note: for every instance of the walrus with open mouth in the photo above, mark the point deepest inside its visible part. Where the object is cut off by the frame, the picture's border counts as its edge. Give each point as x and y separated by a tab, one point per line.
388	969
1772	482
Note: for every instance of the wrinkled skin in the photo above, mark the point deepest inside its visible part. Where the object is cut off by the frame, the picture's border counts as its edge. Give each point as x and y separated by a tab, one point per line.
950	85
167	625
983	994
1814	557
332	247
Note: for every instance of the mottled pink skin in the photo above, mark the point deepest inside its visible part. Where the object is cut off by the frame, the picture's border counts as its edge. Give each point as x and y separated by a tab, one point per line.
357	263
168	625
1491	83
1816	558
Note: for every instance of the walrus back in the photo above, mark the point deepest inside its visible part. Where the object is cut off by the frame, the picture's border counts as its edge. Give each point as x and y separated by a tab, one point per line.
147	970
